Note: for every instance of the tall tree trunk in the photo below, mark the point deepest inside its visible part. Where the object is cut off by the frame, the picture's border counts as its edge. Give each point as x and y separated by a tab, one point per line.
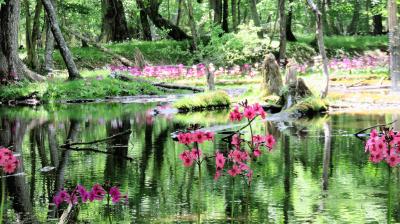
282	33
331	19
11	66
289	33
238	12
114	25
377	21
254	13
217	11
394	44
34	60
144	21
49	47
151	8
178	13
28	30
234	6
192	22
73	72
225	15
353	27
321	46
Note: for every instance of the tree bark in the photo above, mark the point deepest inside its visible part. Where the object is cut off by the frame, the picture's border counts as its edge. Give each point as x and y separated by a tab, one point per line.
282	33
394	44
321	46
192	22
144	21
289	33
34	59
114	25
11	66
217	11
151	8
73	72
179	13
254	13
225	15
377	21
234	6
49	48
353	27
28	31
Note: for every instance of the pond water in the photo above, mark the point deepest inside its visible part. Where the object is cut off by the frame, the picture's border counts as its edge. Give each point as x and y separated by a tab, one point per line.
318	172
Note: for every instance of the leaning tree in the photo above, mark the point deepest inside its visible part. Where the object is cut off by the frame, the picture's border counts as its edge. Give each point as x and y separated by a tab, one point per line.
11	66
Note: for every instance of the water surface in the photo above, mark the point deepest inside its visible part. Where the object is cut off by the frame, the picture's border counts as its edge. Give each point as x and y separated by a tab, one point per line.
318	172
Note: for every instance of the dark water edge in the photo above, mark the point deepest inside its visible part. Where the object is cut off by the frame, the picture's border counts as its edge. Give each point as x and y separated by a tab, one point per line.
318	172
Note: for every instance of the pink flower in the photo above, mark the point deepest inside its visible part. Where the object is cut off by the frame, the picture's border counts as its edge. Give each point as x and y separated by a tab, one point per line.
185	138
9	167
219	160
270	141
257	152
57	200
196	153
186	158
257	139
258	109
235	140
199	137
115	194
217	175
60	197
83	193
376	158
393	159
209	135
234	171
374	133
249	113
235	155
235	115
97	193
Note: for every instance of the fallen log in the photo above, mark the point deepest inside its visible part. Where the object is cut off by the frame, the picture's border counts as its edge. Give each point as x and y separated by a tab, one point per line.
90	149
157	84
121	58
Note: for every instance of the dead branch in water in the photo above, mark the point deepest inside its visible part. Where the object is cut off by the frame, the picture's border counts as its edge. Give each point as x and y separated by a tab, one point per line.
68	145
375	126
91	149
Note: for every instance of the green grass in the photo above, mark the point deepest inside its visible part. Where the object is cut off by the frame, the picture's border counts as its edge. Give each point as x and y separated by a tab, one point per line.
349	45
203	101
309	106
90	88
155	52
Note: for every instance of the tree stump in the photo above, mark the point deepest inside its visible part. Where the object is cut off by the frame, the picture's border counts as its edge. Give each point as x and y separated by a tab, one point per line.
272	80
139	59
297	88
210	78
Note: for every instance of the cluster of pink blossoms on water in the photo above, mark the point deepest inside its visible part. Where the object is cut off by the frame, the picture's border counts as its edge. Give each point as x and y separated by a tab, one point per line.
8	162
385	147
237	159
181	71
193	155
97	193
240	154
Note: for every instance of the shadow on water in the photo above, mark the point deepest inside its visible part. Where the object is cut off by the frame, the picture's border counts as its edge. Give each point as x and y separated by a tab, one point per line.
317	173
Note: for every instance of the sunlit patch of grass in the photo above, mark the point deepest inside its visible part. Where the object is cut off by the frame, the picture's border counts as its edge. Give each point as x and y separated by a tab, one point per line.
309	106
203	101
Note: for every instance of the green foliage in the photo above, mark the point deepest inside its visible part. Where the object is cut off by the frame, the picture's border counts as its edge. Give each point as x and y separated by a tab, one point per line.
302	52
234	48
348	45
203	101
77	89
155	52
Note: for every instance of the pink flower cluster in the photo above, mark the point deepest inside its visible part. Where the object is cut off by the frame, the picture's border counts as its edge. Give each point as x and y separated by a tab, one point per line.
195	154
97	193
195	137
385	147
180	71
250	112
8	162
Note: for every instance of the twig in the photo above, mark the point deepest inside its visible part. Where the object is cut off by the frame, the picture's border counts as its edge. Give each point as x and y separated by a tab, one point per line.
68	145
375	126
99	151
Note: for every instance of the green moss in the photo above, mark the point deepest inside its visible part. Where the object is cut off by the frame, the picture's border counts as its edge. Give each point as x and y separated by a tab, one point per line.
203	101
90	88
309	106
